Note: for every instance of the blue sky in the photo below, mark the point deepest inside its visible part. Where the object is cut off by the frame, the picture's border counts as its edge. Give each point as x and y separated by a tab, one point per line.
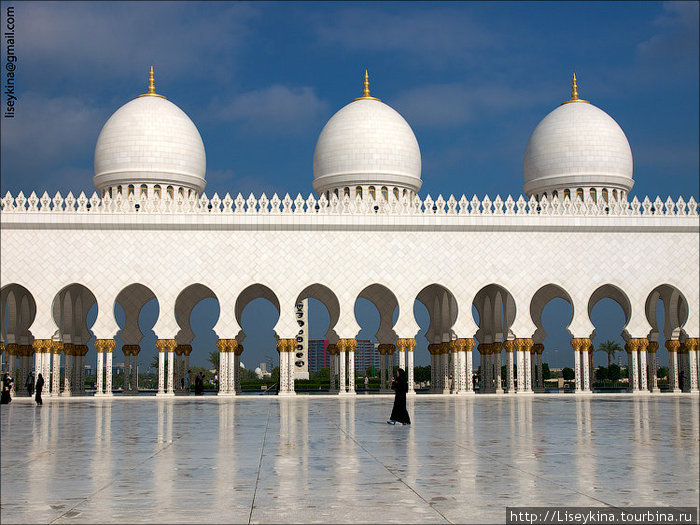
260	80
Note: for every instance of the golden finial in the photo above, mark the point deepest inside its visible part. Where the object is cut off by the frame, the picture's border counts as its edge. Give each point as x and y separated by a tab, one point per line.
151	87
365	93
574	93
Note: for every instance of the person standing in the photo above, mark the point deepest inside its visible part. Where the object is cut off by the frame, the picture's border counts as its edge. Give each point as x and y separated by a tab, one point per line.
366	382
39	388
188	381
29	383
399	385
6	388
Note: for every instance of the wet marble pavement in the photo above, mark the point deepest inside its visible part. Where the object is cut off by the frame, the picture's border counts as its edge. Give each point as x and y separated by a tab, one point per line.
335	460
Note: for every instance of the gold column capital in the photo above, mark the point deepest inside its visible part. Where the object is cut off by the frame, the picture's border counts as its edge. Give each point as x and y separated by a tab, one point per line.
222	345
580	343
2	347
463	344
653	347
538	348
57	347
166	345
672	345
81	350
692	343
332	348
69	348
285	345
433	348
509	345
107	345
41	346
131	349
496	347
12	348
407	344
638	343
347	345
238	348
26	350
523	343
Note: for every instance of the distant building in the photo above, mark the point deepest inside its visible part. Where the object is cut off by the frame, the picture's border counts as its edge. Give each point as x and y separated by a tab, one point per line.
366	355
318	355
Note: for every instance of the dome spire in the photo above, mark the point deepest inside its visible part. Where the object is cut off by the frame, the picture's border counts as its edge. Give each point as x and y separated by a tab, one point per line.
574	93
151	87
365	93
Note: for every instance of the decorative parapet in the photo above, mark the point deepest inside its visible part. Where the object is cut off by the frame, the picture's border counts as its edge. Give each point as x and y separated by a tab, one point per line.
367	206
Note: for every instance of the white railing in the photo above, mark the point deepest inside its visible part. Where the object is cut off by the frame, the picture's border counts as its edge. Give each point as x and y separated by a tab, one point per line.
358	206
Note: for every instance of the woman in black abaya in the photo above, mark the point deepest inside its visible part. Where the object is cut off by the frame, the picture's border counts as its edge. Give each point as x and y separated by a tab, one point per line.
400	385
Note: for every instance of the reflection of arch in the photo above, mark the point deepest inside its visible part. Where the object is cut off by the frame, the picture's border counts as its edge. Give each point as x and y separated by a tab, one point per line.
496	308
132	300
610	291
19	306
326	296
442	308
675	311
541	298
70	308
184	304
386	304
252	292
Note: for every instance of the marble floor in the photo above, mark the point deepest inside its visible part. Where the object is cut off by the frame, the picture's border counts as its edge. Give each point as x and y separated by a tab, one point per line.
335	460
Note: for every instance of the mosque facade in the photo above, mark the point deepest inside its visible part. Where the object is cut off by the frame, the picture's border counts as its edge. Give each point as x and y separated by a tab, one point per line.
150	231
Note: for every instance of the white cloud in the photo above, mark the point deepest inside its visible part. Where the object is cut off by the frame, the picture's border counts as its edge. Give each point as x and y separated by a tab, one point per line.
678	33
275	109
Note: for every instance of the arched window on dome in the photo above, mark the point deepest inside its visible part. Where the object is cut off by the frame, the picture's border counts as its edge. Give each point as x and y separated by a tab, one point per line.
110	192
144	190
579	193
604	193
555	194
593	194
335	191
405	192
615	195
396	193
567	193
385	193
170	191
346	192
156	191
358	191
119	189
181	192
372	192
544	196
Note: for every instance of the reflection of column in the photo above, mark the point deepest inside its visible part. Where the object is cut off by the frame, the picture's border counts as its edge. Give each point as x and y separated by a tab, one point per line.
672	346
222	345
407	345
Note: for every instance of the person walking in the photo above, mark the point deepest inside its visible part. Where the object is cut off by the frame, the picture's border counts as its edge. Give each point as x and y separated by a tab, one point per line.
39	388
188	381
399	385
6	388
29	383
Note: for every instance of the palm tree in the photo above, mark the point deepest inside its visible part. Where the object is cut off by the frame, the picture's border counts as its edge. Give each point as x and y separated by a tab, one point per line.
609	347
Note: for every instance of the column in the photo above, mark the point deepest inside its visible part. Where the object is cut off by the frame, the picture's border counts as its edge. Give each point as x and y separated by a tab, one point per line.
540	371
406	346
578	344
234	372
586	383
533	369
496	353
351	346
523	346
683	367
632	347
445	368
187	352
332	351
284	363
25	352
172	344
382	367
56	348
509	345
591	371
642	344
692	344
434	366
12	350
672	347
222	345
68	349
342	381
37	345
483	353
99	368
162	346
653	366
109	346
464	347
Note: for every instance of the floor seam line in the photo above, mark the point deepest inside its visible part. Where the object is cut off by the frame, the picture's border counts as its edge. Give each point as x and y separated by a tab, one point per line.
262	453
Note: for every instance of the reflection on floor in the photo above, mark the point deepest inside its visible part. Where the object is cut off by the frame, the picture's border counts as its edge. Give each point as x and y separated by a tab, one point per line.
330	460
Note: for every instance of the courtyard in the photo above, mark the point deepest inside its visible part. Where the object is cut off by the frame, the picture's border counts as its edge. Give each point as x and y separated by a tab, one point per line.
324	459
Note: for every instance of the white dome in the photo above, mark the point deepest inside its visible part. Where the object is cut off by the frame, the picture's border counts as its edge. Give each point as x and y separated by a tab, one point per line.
150	141
367	143
577	145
